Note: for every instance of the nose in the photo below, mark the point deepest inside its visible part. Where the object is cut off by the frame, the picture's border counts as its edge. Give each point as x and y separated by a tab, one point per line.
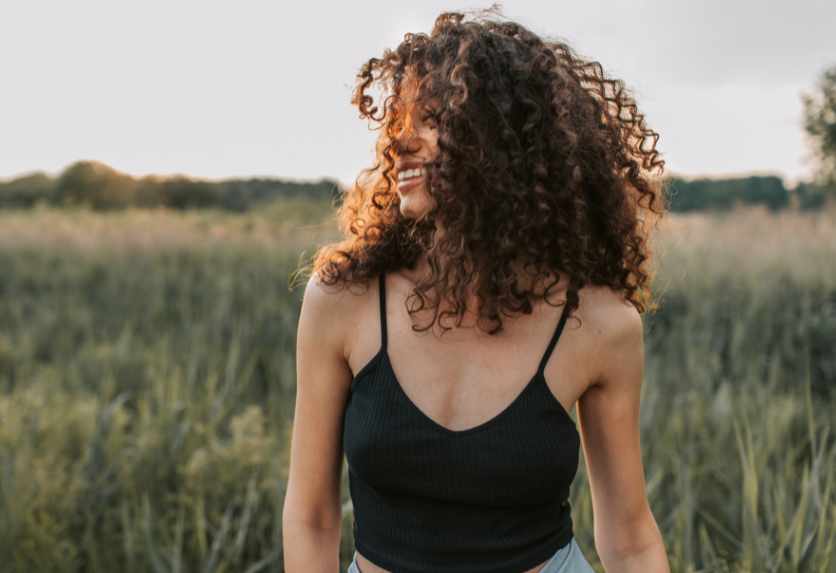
406	140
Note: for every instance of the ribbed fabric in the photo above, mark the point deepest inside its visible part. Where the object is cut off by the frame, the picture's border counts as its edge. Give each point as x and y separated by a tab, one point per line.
490	499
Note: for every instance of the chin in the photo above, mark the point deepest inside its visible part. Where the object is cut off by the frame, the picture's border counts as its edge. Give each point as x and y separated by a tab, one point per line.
408	212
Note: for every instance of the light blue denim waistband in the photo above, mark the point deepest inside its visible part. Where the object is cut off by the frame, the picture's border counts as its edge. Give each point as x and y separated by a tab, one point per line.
568	559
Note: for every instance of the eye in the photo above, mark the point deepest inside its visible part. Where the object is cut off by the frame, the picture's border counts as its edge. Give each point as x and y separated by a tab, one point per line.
429	118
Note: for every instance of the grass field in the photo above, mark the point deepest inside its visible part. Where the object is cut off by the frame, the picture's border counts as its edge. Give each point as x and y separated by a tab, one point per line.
147	380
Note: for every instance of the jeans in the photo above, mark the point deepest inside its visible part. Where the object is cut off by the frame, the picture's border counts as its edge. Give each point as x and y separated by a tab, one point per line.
568	559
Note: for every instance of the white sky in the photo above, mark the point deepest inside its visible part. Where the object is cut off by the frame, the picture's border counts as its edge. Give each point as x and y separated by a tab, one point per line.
256	88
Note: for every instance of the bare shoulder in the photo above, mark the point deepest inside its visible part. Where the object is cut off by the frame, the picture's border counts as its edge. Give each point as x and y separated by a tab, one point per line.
607	311
613	328
332	312
325	299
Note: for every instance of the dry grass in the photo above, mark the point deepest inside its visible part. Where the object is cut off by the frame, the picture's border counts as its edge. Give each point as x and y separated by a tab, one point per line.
750	240
281	225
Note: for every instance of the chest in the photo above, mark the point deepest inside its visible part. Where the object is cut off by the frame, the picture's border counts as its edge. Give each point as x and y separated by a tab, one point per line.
525	455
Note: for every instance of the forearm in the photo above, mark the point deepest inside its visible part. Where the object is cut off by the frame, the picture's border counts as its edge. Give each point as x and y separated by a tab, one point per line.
635	548
310	549
652	559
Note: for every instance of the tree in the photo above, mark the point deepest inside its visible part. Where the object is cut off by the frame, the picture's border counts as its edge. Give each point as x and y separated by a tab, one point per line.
820	123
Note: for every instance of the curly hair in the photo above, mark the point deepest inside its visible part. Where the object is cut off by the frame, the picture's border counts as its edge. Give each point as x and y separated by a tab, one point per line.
543	162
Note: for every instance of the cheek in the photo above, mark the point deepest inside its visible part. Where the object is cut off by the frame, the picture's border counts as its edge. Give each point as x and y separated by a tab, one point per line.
432	143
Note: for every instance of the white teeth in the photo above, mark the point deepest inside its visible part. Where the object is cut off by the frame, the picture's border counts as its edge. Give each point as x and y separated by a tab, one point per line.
410	173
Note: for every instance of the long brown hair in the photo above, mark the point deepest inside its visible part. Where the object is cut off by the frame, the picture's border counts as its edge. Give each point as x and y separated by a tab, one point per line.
544	160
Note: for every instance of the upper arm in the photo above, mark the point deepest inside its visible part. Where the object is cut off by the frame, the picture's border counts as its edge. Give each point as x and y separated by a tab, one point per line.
608	415
314	490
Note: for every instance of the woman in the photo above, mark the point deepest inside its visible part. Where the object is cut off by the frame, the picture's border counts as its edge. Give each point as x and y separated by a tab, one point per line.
507	211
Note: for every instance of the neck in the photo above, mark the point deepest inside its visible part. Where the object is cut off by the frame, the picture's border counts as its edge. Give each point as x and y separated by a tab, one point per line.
473	302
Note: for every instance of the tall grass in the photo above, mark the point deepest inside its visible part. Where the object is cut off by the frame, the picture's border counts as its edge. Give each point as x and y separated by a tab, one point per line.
147	382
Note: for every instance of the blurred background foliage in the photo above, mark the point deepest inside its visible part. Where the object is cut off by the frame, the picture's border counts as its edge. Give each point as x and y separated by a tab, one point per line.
147	383
820	125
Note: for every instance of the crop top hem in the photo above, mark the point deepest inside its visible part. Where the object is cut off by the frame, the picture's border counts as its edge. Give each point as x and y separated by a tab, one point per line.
542	555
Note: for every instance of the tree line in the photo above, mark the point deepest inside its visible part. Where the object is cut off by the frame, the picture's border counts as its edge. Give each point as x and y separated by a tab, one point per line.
717	194
100	187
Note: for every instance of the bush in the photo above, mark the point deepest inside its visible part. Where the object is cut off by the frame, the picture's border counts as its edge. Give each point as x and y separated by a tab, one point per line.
27	191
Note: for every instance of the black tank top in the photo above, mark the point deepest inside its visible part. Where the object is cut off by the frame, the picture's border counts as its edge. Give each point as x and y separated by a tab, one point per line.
489	499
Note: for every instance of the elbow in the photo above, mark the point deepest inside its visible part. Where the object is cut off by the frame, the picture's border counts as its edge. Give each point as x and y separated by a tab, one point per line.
297	515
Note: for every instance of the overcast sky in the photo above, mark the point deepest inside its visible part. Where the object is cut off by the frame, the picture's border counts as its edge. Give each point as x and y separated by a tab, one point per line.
256	88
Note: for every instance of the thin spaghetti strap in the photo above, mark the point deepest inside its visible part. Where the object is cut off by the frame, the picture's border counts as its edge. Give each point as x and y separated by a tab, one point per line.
383	310
553	342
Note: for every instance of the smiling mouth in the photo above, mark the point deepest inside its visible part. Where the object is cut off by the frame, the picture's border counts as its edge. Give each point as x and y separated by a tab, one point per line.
411	178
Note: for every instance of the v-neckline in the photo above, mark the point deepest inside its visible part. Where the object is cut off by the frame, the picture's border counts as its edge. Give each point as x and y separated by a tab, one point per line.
507	411
539	376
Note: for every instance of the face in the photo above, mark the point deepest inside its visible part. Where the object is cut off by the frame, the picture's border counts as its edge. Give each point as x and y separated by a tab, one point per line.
416	145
